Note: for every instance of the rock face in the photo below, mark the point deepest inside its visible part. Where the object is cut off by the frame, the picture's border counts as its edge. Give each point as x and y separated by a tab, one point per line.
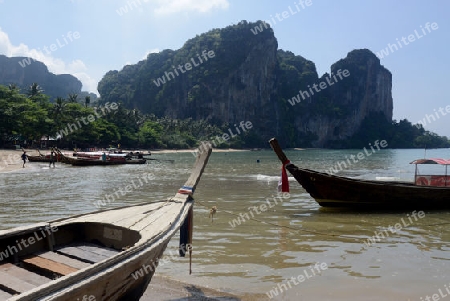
24	71
249	79
367	89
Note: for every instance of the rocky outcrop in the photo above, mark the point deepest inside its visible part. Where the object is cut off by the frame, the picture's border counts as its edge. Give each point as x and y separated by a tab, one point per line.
367	89
249	79
23	72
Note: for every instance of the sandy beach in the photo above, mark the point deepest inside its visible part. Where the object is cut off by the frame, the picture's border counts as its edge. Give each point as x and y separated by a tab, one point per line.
10	160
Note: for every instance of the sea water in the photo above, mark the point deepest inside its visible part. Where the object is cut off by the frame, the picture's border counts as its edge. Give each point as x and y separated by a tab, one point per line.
292	250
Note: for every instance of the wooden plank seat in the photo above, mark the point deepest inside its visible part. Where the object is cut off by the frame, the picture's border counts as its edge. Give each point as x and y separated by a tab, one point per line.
23	274
77	264
4	295
48	265
15	280
87	252
14	285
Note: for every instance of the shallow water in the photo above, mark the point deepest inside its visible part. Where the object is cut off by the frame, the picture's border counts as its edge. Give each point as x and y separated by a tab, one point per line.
264	252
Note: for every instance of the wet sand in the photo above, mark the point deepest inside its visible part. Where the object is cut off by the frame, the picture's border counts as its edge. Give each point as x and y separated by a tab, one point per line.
165	289
10	160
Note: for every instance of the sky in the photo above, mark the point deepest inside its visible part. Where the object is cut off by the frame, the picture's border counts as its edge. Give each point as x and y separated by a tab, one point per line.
88	38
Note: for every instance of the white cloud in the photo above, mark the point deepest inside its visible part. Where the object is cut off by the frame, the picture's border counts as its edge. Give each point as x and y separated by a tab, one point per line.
55	65
202	6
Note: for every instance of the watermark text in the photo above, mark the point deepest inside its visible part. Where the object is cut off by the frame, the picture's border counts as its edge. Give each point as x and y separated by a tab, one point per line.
330	80
168	75
339	166
404	41
414	217
307	274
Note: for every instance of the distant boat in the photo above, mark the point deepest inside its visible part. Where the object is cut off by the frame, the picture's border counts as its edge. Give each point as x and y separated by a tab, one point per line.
98	155
429	191
103	255
92	162
44	158
40	158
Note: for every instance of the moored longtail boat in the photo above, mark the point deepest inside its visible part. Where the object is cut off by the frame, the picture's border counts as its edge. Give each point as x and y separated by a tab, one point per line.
95	254
335	191
91	162
38	158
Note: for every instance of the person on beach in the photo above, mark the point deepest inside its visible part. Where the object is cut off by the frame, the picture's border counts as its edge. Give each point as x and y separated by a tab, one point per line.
24	158
52	159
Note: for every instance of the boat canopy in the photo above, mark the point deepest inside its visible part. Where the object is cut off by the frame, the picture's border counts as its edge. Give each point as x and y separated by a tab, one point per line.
432	161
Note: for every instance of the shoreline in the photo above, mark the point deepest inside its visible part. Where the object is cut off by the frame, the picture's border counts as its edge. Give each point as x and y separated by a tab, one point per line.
10	160
165	288
216	150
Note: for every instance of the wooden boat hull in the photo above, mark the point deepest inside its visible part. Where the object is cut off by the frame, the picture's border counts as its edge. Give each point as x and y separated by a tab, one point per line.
334	191
90	162
93	255
38	159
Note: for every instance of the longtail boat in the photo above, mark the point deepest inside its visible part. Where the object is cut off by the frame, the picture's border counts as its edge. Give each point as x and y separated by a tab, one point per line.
427	192
98	155
45	158
93	161
96	255
39	158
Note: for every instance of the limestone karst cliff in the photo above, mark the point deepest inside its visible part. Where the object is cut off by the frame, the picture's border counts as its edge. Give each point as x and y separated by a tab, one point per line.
246	77
23	71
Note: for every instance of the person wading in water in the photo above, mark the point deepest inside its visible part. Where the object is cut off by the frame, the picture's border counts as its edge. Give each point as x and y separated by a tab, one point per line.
24	158
52	159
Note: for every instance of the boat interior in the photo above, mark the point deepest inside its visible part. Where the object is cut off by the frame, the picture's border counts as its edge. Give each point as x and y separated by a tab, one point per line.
39	255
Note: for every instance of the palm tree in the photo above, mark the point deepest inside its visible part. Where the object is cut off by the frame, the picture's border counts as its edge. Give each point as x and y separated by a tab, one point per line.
13	90
13	87
87	101
58	112
73	97
34	90
58	107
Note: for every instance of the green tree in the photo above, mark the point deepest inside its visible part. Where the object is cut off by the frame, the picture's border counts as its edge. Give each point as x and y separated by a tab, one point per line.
34	90
87	101
150	133
72	97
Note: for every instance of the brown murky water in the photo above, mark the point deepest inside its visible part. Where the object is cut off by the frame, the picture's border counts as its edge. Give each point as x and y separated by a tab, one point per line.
303	251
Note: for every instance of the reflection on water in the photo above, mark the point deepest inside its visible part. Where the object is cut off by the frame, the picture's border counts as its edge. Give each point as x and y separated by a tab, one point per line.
276	244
